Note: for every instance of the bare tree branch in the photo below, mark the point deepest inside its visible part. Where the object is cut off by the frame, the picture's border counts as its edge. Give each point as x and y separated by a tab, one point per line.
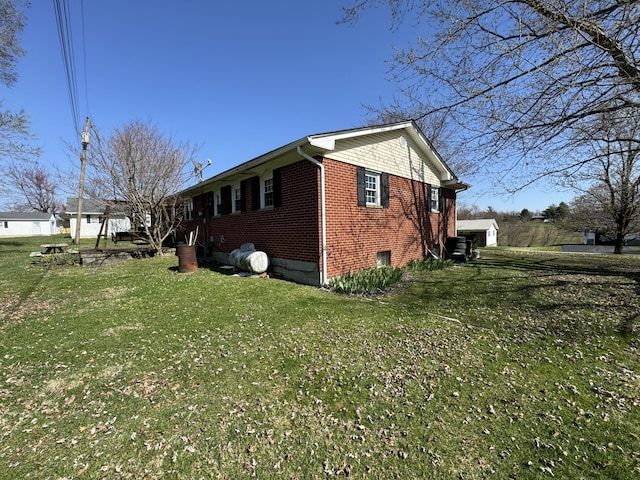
36	185
517	77
139	165
14	132
12	22
611	172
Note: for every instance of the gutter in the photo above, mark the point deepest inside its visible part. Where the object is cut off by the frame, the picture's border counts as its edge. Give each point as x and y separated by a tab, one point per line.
323	209
459	187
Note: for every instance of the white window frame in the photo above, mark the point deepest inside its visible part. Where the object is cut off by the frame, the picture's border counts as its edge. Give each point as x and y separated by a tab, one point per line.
188	209
372	188
236	200
267	181
434	198
217	201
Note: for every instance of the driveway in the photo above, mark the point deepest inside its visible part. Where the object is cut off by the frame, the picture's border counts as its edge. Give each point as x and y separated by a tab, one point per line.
596	249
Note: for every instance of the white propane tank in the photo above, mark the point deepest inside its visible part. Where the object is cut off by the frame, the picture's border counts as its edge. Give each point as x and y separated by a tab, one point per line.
248	259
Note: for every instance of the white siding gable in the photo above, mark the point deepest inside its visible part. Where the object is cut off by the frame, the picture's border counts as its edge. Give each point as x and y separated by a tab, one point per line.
390	152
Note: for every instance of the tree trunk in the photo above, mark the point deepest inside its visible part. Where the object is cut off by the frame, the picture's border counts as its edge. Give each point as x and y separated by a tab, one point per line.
618	244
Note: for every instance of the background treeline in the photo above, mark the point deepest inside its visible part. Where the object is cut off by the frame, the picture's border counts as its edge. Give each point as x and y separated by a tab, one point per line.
555	225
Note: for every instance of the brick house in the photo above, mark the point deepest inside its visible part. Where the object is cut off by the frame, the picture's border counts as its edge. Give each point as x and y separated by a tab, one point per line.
330	203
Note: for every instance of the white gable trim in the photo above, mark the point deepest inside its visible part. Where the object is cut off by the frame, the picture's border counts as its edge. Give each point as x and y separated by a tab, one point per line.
325	143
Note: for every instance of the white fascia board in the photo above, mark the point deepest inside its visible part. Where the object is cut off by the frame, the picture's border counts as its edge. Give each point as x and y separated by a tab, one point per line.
253	163
456	184
445	173
325	143
327	140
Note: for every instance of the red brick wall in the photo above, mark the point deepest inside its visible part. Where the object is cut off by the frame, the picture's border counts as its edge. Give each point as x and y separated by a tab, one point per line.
354	234
290	231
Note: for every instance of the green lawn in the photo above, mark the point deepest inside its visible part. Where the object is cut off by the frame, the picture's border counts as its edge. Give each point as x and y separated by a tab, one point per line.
516	233
519	365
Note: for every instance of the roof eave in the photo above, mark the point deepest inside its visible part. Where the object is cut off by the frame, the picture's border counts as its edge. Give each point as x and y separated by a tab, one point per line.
456	184
255	162
325	142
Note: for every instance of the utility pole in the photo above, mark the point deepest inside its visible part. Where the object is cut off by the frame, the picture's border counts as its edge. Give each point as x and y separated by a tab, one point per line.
83	161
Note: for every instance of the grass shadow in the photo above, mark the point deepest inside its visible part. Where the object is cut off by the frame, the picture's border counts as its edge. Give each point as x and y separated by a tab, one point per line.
536	294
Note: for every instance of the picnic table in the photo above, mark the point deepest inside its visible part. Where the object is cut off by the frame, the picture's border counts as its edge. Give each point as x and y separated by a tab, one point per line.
53	248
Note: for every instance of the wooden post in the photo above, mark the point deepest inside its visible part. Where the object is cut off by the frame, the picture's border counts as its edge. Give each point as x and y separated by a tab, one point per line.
83	161
104	226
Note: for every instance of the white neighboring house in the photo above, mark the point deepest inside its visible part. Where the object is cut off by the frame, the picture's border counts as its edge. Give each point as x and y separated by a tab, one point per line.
92	214
486	230
26	224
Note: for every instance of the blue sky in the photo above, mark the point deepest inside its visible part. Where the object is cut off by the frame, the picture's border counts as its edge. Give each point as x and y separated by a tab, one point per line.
237	78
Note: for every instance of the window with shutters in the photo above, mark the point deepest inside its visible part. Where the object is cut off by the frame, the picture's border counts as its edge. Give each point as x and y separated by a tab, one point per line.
188	209
266	191
373	188
237	199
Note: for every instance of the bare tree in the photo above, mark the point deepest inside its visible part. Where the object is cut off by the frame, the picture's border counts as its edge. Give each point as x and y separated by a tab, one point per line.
15	136
12	22
139	165
518	75
587	216
607	170
14	131
468	212
36	186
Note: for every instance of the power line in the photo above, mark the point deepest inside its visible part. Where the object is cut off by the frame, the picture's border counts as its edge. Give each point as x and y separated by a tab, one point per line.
84	60
66	46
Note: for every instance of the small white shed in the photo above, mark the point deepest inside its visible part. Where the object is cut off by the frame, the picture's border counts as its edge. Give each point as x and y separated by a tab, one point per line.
485	229
26	224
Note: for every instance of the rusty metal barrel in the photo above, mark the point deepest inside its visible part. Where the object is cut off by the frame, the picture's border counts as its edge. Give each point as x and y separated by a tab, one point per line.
187	261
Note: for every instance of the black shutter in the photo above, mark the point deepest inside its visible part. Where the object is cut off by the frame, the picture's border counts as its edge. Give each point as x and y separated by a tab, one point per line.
277	187
243	196
200	204
362	201
255	193
384	192
210	204
225	193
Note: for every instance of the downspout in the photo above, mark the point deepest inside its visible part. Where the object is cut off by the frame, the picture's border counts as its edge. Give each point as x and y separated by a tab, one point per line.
323	215
455	222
